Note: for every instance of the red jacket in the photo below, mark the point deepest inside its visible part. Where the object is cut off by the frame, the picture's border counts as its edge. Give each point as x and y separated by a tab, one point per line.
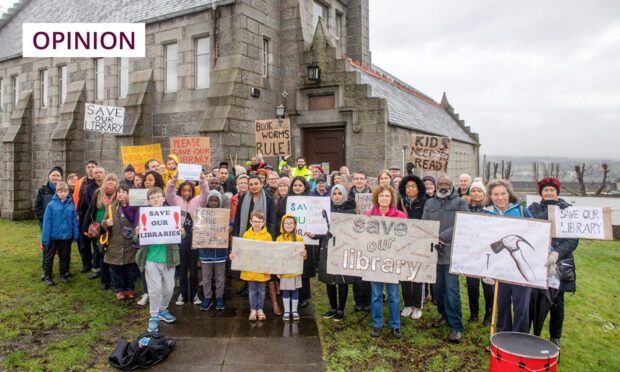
392	212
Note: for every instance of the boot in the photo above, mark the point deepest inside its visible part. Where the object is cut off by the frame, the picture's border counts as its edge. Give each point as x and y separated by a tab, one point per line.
271	290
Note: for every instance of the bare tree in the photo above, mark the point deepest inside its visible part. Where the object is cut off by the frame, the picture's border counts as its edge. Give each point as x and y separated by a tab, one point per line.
507	172
580	171
495	165
603	185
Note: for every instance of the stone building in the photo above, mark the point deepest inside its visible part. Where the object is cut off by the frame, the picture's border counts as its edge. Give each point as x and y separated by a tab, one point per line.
212	67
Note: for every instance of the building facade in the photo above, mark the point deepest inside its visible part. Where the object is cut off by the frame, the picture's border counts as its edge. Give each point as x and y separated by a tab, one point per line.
212	67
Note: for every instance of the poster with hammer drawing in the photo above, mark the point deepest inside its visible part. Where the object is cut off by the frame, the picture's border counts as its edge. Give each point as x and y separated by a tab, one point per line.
160	225
511	250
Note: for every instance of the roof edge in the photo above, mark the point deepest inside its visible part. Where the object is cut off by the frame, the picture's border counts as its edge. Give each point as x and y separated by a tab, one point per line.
12	12
394	124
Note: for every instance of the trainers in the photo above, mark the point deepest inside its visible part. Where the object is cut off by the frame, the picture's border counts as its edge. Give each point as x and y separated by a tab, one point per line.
180	301
166	316
330	314
295	315
375	332
144	300
416	313
407	310
339	316
396	333
48	280
153	324
197	300
286	317
219	303
455	336
261	314
206	304
252	316
64	279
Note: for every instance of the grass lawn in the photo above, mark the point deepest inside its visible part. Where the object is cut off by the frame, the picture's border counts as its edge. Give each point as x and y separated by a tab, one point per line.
590	340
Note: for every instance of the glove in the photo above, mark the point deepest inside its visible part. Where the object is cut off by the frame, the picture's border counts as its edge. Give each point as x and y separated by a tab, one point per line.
410	167
563	204
552	259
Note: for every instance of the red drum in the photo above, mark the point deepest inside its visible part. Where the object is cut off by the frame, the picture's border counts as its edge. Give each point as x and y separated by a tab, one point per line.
518	352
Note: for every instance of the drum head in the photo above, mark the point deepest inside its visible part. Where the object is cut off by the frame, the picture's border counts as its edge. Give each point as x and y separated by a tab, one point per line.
524	345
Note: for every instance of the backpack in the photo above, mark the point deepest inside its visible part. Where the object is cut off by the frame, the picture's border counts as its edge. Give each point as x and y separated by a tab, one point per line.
149	349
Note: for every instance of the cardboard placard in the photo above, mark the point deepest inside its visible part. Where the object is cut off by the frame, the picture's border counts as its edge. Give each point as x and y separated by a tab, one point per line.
137	197
363	202
211	228
267	257
138	155
581	222
104	119
273	137
430	152
192	150
511	250
382	249
160	225
310	213
189	172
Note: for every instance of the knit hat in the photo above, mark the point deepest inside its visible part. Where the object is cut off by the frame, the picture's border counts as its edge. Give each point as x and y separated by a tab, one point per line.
284	180
430	178
262	171
549	181
58	169
239	170
478	184
320	179
130	168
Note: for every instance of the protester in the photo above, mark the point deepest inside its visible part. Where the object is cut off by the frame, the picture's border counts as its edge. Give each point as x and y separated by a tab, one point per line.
384	178
153	179
256	281
511	298
412	196
359	185
394	171
290	283
79	196
321	188
59	228
46	193
316	172
242	189
396	181
344	170
464	183
256	163
130	175
256	198
562	250
443	207
213	264
300	170
86	200
171	165
262	176
158	262
431	185
138	179
215	184
227	185
121	254
72	180
272	183
384	204
152	165
336	178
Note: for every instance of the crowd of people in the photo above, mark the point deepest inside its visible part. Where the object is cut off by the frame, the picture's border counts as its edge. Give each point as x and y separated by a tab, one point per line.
95	212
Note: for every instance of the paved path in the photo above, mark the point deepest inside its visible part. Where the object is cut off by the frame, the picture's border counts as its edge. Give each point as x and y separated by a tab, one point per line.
227	341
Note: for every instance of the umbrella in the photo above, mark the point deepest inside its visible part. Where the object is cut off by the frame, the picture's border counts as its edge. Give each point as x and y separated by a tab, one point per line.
540	303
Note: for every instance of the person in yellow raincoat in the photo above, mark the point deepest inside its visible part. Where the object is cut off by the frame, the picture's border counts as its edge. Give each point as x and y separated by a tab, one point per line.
290	283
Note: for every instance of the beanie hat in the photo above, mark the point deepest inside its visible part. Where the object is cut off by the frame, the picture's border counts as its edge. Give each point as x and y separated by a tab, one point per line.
130	168
549	181
479	185
430	178
58	169
284	181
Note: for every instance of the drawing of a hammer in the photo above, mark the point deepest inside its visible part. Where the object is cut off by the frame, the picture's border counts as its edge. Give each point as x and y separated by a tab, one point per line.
512	244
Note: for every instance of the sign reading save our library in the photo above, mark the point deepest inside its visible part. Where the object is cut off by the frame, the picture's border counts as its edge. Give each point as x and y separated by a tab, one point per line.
160	225
581	222
104	119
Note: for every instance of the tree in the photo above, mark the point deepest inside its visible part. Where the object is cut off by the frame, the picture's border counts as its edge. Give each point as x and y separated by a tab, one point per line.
580	171
603	185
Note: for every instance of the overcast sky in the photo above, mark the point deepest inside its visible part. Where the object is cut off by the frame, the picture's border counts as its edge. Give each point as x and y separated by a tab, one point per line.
531	77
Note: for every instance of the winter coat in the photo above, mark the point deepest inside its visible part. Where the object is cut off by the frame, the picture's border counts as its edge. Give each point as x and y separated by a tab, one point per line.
270	214
167	174
513	210
289	238
476	208
392	212
563	246
199	201
264	236
120	250
415	209
59	221
444	211
348	207
44	197
354	191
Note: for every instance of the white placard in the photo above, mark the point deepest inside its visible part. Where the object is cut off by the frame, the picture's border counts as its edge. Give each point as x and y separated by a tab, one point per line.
512	250
267	257
104	119
310	213
189	172
137	197
160	225
581	222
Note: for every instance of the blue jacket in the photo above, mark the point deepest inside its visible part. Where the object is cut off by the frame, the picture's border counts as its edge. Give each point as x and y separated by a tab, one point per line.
60	221
513	210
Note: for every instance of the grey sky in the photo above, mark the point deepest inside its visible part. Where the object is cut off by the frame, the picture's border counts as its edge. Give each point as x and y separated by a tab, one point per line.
532	77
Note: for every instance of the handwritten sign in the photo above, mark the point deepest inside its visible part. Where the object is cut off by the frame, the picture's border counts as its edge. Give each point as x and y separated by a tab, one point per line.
138	155
160	225
581	222
211	228
189	172
310	213
430	152
273	137
192	150
363	202
137	197
512	250
104	119
267	257
382	249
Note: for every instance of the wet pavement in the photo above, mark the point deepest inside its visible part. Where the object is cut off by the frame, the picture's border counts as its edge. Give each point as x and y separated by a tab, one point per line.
227	341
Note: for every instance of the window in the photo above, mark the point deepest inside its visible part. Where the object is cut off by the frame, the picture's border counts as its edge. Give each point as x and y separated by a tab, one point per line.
62	84
15	85
171	67
123	77
318	10
203	62
338	30
265	58
43	78
1	95
99	79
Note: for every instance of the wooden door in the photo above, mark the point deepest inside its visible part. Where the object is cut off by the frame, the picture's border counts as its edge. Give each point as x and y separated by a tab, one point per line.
324	145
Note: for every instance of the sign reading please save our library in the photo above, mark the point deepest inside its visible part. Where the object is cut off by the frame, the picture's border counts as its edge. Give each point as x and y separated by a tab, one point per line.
160	225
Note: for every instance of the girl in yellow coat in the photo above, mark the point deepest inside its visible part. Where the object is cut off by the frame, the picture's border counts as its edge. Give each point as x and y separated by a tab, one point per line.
256	281
290	283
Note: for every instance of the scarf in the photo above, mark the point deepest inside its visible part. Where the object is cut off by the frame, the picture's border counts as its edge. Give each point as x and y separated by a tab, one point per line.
261	204
51	185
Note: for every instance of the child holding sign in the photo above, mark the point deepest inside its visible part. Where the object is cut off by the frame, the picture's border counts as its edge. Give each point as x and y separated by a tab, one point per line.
290	283
256	281
158	262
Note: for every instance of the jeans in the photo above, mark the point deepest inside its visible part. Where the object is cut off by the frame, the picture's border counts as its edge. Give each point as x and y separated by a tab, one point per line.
448	297
377	304
187	267
210	269
124	277
256	292
337	295
519	297
412	294
64	252
473	294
